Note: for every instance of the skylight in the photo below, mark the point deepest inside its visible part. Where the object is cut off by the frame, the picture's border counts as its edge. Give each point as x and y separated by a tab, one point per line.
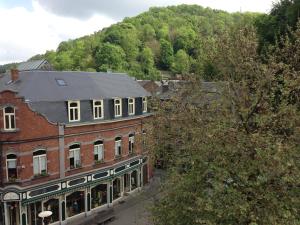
61	82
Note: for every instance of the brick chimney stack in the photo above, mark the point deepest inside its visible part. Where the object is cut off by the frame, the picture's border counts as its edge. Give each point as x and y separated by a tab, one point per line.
14	74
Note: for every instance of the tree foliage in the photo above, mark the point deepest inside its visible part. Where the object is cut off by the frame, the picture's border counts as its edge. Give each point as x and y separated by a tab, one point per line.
233	158
164	30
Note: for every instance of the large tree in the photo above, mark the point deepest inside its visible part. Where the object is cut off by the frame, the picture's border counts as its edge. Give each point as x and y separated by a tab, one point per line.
232	151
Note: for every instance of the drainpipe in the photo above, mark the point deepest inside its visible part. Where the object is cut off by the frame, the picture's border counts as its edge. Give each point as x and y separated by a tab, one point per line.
1	171
61	143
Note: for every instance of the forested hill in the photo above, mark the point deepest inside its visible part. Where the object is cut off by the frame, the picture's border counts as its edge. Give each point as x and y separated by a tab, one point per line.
162	40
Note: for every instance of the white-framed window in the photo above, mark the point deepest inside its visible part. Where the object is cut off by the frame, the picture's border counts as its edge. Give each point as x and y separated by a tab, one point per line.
131	106
118	107
98	151
74	110
74	156
144	104
118	146
9	118
131	143
39	162
11	167
98	109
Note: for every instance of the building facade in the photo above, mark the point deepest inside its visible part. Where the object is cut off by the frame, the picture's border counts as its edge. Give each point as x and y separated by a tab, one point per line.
70	142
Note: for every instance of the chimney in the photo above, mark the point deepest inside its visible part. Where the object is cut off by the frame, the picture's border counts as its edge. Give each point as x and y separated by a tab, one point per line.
14	74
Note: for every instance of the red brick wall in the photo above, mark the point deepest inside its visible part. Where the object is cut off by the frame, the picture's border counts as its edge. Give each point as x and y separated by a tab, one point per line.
31	125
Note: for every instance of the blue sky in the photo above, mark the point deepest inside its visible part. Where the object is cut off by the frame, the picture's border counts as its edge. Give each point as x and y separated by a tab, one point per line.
34	26
16	3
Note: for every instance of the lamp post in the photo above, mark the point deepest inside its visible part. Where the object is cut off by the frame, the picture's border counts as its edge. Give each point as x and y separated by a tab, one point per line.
45	216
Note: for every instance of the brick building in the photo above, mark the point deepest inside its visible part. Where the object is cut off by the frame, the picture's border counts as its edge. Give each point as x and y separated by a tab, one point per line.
70	142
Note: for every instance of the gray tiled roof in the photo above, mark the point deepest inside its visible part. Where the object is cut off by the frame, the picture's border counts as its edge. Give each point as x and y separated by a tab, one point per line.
37	86
41	90
31	65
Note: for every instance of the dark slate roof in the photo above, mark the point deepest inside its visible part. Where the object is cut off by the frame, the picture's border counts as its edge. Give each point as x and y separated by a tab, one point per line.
31	65
37	86
41	91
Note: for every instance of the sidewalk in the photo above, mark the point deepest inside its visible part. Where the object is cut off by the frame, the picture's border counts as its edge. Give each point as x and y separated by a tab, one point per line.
134	209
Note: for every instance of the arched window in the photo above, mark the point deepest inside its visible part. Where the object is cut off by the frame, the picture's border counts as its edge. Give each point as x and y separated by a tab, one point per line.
131	143
98	109
131	106
11	166
98	151
39	162
118	146
74	111
118	107
74	156
9	118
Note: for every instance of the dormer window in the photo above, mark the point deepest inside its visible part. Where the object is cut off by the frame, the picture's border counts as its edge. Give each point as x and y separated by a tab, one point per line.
74	111
9	118
98	109
131	106
144	104
118	107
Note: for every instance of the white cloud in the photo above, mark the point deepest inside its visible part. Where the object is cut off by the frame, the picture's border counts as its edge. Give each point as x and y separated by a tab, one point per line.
118	9
25	33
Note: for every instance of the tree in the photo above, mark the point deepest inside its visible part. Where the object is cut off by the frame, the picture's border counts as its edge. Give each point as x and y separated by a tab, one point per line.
147	64
110	57
232	158
166	54
181	63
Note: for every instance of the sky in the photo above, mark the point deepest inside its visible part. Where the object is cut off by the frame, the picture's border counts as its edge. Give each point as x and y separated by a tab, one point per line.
30	27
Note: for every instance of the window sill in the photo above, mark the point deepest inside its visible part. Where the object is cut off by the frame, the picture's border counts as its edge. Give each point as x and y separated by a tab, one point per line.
10	131
118	157
132	154
99	162
38	176
75	168
12	181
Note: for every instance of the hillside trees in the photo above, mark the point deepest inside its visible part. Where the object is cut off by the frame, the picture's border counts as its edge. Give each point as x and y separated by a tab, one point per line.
165	30
110	57
233	158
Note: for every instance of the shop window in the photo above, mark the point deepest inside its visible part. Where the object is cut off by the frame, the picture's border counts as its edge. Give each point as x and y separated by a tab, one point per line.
116	188
53	206
134	180
99	195
11	165
75	203
33	211
74	156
